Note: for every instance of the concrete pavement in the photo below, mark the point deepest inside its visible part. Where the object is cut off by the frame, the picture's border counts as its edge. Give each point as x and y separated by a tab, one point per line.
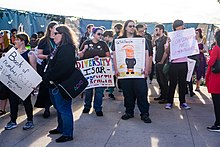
169	128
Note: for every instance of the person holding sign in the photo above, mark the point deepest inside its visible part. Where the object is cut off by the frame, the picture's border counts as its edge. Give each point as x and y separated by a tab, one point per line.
108	38
21	41
94	48
133	88
177	73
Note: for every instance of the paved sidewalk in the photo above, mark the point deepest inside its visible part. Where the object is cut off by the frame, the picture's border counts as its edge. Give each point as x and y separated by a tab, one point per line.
169	128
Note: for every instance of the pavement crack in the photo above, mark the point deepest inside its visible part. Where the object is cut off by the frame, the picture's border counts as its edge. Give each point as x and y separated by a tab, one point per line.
113	131
190	128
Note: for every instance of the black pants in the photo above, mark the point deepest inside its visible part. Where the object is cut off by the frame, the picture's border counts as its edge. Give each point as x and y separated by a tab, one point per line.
216	102
14	101
162	81
151	76
135	89
119	84
43	97
190	86
177	74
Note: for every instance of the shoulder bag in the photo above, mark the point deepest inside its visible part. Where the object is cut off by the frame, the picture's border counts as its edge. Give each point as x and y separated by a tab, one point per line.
216	67
73	86
166	68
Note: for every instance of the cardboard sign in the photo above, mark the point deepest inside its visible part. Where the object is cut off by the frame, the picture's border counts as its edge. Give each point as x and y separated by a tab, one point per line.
183	43
98	72
17	74
130	57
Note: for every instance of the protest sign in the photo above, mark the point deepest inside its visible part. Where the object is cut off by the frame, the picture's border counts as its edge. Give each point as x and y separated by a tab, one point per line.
17	74
97	72
130	57
191	65
183	43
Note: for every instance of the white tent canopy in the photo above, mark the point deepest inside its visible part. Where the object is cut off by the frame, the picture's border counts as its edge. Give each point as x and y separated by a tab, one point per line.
200	11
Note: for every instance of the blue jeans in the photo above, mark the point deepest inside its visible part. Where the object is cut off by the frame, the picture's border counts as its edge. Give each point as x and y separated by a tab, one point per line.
97	99
64	112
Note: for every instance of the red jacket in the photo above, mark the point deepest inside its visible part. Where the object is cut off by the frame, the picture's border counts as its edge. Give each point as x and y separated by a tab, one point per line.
213	79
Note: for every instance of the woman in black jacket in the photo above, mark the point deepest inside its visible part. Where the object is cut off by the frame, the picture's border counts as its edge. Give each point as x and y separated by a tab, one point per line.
61	65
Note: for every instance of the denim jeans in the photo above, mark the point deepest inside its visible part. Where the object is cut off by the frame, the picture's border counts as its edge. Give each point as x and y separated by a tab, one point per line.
97	98
64	112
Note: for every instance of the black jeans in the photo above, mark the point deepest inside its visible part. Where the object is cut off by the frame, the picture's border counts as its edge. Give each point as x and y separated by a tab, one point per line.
216	102
14	101
177	74
151	76
135	89
162	81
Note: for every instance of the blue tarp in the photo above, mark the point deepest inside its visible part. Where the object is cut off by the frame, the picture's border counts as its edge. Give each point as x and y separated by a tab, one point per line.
32	22
84	22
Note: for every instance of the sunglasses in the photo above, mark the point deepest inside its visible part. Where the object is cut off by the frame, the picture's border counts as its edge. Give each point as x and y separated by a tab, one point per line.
99	34
55	33
2	33
131	26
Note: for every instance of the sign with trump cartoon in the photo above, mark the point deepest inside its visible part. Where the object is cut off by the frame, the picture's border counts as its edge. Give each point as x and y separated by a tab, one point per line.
130	57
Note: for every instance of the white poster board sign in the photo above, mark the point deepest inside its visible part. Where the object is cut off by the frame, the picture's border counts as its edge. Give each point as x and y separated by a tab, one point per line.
191	65
130	57
17	74
98	72
183	43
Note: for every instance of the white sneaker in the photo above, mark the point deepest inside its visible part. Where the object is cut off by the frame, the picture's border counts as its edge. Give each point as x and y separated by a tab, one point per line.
214	128
185	106
168	106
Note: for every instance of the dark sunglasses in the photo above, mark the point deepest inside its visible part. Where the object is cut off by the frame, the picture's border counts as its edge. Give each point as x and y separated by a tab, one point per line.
55	33
2	33
100	34
131	26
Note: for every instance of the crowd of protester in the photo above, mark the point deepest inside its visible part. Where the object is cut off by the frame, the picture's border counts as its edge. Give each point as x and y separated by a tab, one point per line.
54	53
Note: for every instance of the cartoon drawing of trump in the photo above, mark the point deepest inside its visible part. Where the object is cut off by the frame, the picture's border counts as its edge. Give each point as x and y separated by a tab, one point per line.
129	60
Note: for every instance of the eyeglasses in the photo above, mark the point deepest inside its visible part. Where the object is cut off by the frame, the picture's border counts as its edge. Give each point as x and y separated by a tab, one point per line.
55	33
131	26
99	34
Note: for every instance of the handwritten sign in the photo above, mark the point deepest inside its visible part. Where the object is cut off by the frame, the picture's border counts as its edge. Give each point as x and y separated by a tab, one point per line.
191	65
97	72
183	43
130	57
17	74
